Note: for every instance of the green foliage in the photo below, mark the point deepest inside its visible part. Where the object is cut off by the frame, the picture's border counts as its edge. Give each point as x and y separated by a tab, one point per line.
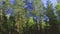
52	18
58	12
30	22
43	24
58	9
27	25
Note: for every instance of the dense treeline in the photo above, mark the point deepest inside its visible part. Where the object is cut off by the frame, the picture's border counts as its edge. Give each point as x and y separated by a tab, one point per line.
25	17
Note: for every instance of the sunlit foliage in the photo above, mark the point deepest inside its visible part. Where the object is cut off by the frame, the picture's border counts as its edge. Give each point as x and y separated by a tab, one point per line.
26	17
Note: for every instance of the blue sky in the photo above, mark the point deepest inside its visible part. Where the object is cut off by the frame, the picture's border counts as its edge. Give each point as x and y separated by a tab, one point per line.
52	1
11	2
44	1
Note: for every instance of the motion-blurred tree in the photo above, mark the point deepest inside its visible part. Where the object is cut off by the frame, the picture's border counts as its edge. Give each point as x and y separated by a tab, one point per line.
58	12
52	18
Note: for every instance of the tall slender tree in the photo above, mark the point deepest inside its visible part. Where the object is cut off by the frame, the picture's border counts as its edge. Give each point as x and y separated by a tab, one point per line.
52	18
58	12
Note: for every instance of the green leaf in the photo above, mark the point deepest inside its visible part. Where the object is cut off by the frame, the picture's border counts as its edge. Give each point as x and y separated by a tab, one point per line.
31	22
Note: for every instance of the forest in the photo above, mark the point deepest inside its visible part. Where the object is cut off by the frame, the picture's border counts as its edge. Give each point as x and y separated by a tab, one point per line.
29	17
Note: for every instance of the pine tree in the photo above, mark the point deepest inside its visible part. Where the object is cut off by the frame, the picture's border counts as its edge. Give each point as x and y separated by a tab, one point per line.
58	13
52	18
